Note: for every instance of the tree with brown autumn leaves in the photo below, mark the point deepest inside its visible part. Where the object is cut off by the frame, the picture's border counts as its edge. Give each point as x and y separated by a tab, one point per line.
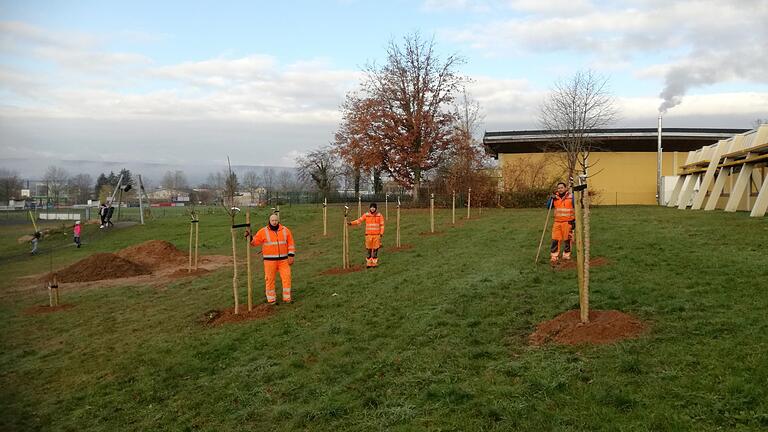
400	120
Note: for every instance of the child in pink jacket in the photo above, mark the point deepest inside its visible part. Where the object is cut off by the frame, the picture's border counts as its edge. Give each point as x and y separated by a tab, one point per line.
77	231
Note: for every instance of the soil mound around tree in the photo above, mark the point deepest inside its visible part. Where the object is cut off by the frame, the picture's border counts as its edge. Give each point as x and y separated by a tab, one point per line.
153	254
604	327
97	267
339	270
220	317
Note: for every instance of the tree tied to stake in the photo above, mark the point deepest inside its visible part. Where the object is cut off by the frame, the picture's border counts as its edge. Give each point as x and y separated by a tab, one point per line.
571	112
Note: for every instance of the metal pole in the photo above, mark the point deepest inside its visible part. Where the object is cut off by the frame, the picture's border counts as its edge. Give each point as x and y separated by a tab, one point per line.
659	185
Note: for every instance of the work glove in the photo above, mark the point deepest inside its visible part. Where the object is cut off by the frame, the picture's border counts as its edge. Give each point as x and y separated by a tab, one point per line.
247	233
290	260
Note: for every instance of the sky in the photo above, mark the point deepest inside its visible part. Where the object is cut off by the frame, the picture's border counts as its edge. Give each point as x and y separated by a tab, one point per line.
190	82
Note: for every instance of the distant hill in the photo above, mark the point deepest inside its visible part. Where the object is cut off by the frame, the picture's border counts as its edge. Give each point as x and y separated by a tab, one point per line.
34	169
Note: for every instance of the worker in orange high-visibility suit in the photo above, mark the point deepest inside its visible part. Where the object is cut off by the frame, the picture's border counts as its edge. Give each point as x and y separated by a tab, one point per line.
278	250
565	220
374	230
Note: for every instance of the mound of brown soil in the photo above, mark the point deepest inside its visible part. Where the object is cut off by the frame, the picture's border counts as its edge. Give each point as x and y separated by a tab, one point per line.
338	271
593	262
217	318
44	309
99	266
604	327
153	254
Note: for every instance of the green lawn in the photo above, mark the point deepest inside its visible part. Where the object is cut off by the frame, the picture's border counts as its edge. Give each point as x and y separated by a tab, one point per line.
434	339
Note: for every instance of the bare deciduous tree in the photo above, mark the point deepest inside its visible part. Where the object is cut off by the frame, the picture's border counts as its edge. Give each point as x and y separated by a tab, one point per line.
55	179
571	112
320	167
10	185
80	187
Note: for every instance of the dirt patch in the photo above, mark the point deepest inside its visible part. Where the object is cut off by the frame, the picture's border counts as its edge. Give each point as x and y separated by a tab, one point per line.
593	262
403	247
604	327
338	271
427	233
45	309
220	317
182	273
154	254
99	266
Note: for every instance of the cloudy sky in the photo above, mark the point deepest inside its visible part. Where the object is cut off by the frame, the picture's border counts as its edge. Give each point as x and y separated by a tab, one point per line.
261	81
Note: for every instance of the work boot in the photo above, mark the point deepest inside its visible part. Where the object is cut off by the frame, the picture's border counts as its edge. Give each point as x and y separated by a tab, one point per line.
375	262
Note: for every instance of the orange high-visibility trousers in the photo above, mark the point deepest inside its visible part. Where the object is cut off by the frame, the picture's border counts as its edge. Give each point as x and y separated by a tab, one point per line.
271	268
561	234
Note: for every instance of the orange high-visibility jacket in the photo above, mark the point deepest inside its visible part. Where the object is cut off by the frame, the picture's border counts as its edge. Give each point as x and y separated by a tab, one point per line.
564	211
374	223
276	245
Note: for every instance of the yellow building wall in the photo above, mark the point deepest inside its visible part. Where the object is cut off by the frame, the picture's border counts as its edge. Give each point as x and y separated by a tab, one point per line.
618	178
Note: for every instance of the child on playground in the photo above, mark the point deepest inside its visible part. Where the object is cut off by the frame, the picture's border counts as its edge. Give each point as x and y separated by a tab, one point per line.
77	230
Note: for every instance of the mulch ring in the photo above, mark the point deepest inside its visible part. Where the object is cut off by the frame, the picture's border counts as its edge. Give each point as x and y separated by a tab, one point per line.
403	247
44	309
427	233
220	317
593	262
604	327
338	271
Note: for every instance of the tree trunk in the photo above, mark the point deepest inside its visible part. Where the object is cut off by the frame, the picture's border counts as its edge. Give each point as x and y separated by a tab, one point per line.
357	181
416	184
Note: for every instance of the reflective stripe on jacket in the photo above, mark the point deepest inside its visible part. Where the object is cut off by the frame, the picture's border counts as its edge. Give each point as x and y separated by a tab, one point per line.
563	206
374	223
275	245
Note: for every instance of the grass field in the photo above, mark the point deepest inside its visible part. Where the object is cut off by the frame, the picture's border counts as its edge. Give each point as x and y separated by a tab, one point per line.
434	339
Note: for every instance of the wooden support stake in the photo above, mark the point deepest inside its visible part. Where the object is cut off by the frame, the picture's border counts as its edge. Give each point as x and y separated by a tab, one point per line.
50	294
197	239
397	235
469	202
359	205
325	217
583	302
345	241
453	208
386	206
248	261
191	229
432	213
234	272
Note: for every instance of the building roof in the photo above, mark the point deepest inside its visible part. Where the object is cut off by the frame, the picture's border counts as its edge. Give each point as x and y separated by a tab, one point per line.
624	140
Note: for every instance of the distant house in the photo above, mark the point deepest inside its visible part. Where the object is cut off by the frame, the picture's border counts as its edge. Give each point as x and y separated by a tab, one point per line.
168	195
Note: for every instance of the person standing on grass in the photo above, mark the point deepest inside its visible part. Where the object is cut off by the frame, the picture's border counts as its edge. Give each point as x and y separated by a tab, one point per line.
565	220
103	214
374	230
278	251
35	240
76	231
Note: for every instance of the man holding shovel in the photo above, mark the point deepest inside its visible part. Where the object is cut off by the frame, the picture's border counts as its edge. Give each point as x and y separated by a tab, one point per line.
374	229
565	216
278	250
